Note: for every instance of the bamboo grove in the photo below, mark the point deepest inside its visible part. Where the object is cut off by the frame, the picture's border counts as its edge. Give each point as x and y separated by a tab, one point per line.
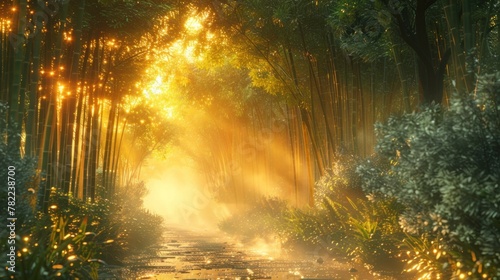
66	68
337	67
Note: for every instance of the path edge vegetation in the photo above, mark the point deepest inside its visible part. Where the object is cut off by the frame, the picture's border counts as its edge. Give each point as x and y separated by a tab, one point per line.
424	206
74	238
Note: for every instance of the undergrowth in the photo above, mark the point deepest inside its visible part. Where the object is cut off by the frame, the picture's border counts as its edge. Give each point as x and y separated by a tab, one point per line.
427	204
72	238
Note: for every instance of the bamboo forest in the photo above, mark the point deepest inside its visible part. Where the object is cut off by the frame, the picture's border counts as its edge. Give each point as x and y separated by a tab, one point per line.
250	139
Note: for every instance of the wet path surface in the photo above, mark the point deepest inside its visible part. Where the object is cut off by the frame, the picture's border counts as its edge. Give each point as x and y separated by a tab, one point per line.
190	255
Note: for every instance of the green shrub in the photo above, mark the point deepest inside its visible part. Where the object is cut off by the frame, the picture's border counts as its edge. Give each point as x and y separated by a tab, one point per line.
340	181
139	229
62	244
346	223
443	165
75	237
265	218
361	229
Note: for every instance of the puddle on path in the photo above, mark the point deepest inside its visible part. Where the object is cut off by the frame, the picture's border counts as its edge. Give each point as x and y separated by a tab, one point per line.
196	256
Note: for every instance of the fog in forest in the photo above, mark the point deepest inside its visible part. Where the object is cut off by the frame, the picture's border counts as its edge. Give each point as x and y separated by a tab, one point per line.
177	192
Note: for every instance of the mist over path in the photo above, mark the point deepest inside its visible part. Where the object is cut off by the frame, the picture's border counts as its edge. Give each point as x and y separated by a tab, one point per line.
188	254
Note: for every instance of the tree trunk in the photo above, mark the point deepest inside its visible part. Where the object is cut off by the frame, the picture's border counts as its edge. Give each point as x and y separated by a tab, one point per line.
430	76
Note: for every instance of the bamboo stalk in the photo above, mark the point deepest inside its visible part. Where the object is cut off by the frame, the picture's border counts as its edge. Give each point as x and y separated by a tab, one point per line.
18	50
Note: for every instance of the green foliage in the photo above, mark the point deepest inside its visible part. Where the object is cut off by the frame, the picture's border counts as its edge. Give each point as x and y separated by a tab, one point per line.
103	219
23	174
125	17
75	237
360	229
444	166
426	256
339	181
361	28
219	87
139	229
265	218
63	244
51	251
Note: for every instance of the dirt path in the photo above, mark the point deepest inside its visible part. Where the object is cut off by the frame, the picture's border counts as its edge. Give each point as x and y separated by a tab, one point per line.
197	255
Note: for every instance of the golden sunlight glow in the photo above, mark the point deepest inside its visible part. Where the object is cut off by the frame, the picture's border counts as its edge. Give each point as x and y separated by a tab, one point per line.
189	54
61	88
210	36
158	84
184	49
155	88
5	25
168	112
194	24
265	248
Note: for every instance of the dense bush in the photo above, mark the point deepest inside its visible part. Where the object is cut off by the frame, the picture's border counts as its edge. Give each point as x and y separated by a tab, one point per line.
347	223
443	165
340	181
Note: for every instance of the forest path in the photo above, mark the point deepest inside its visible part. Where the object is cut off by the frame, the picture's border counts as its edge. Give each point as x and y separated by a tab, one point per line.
186	254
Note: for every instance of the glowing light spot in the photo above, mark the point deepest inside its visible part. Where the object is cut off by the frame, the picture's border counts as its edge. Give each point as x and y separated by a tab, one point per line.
168	112
194	24
61	88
